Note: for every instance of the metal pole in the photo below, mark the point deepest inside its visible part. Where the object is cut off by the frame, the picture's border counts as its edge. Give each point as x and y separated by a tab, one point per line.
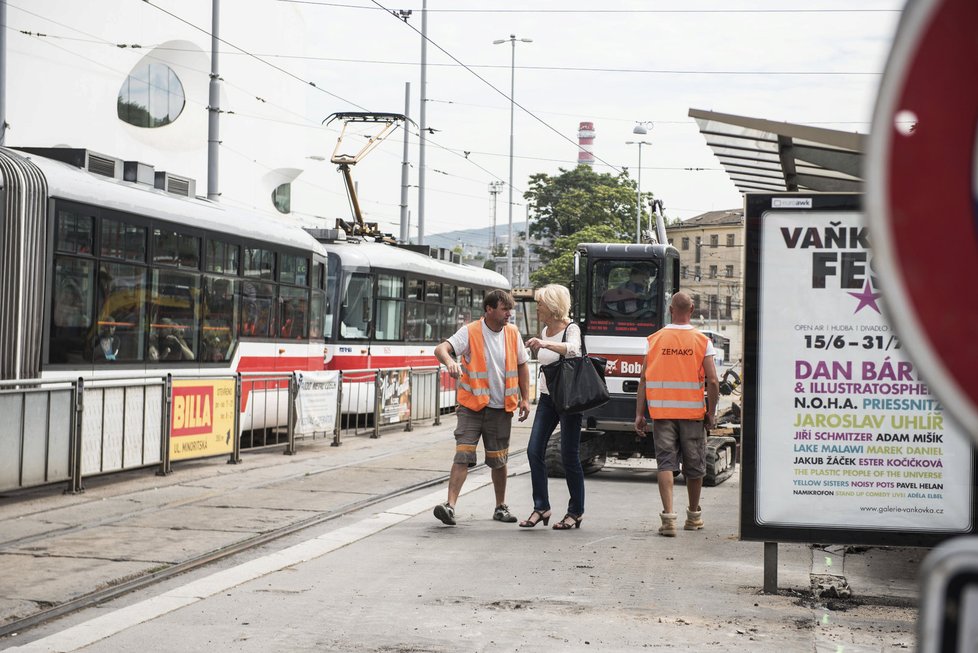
718	302
638	202
3	71
214	108
512	103
526	246
405	164
770	567
423	122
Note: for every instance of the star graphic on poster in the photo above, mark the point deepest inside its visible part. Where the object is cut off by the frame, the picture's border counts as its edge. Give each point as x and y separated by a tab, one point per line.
866	298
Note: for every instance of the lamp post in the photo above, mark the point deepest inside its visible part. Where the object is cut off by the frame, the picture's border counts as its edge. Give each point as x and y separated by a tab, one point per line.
641	129
512	87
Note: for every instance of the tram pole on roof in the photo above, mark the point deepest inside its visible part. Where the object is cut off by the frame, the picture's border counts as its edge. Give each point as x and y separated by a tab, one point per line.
386	123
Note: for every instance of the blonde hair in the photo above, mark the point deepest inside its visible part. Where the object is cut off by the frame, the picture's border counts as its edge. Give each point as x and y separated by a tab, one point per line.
556	298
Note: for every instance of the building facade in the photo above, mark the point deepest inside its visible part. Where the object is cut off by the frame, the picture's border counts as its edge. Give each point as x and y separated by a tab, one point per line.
711	250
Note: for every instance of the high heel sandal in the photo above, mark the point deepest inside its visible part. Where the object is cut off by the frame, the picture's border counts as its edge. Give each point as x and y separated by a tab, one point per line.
530	522
565	525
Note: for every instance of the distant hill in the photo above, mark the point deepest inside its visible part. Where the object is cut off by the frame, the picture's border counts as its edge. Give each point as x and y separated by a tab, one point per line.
473	240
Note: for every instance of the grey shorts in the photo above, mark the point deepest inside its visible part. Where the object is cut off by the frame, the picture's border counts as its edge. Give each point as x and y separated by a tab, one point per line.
493	425
674	435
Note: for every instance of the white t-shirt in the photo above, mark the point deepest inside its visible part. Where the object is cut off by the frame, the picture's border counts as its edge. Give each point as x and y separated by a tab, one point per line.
495	358
548	356
710	350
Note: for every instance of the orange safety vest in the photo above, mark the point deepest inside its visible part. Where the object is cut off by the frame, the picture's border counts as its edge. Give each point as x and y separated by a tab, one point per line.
473	386
674	374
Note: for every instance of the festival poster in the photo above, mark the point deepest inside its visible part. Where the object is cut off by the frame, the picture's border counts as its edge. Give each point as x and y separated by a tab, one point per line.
201	418
848	433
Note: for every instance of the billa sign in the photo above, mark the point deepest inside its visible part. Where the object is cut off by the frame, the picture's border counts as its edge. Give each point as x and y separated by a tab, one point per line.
201	418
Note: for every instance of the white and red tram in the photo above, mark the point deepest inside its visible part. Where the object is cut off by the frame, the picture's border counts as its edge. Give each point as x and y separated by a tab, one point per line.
109	268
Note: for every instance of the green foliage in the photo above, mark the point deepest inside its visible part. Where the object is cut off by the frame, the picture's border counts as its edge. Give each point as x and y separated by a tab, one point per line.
560	268
566	203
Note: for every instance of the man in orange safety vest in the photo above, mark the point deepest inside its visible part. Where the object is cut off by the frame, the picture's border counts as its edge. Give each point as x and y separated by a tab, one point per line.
678	361
489	360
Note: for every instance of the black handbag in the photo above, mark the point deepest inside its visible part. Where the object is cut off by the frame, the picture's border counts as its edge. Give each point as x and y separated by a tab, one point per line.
576	384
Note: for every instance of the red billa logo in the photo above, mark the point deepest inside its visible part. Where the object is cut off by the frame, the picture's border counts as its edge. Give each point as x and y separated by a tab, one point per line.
193	408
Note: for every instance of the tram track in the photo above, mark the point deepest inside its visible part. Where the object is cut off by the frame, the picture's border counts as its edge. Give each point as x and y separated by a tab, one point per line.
149	579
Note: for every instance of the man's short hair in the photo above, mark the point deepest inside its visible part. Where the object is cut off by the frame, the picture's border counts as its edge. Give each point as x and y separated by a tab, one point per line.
494	297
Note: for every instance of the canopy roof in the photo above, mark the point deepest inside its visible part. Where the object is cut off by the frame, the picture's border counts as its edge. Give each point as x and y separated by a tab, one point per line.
764	155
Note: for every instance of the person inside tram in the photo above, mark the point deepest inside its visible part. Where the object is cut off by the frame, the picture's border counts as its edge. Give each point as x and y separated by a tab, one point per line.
168	343
107	347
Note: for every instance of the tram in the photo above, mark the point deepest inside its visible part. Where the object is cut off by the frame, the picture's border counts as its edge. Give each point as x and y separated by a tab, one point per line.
110	268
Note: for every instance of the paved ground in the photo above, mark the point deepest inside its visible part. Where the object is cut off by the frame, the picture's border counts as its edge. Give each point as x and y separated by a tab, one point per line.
389	577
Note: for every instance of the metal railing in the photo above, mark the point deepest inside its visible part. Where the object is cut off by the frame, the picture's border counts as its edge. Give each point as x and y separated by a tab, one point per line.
66	430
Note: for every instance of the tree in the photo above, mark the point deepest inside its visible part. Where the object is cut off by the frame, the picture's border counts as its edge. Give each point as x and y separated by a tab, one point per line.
566	203
560	268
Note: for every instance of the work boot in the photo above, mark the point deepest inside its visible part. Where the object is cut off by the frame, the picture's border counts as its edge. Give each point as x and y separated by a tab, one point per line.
694	519
668	528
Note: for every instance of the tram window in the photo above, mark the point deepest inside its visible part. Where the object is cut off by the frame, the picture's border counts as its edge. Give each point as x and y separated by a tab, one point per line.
71	314
257	308
464	296
316	308
415	290
174	248
221	257
294	270
318	280
294	304
259	263
122	240
173	321
449	325
75	232
332	292
433	292
432	322
448	294
355	313
390	319
219	314
121	326
415	327
390	307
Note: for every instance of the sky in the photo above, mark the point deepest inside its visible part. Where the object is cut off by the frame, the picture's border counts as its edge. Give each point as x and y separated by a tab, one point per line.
614	64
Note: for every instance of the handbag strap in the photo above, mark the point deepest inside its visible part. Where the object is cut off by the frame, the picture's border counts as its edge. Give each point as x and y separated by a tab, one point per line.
564	339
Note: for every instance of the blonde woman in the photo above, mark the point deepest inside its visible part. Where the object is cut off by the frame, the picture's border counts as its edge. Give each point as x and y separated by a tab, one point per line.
559	337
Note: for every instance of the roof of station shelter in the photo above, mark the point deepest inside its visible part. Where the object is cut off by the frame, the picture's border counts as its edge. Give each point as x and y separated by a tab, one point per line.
764	155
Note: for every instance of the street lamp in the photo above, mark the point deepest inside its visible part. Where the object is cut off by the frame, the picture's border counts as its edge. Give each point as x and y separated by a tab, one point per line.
512	87
639	129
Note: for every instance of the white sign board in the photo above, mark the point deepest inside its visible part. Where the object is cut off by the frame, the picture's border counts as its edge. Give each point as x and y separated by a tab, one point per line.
315	402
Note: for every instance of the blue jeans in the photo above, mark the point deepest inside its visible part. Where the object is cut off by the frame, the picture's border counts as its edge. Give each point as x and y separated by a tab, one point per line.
544	422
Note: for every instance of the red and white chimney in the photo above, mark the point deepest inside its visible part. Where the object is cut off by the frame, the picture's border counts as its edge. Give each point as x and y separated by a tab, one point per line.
585	140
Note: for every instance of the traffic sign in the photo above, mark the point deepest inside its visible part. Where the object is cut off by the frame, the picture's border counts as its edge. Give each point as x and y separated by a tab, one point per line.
922	196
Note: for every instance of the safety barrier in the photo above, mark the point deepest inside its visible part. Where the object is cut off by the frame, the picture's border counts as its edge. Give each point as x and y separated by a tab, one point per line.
64	431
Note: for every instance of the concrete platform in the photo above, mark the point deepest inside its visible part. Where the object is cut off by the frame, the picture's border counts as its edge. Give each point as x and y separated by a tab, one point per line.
390	577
